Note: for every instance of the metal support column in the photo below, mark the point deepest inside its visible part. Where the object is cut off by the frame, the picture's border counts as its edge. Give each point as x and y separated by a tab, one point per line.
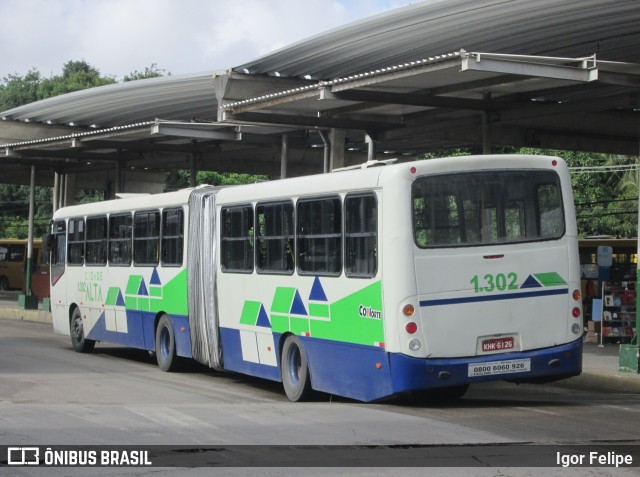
327	151
371	149
29	301
284	155
193	172
486	127
56	191
337	138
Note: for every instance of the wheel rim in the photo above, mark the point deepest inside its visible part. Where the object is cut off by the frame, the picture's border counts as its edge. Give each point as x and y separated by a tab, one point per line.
77	329
295	363
165	341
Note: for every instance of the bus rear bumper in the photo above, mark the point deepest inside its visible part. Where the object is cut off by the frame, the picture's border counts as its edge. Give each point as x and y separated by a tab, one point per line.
541	365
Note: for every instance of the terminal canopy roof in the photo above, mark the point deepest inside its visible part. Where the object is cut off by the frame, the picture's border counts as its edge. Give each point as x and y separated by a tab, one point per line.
438	74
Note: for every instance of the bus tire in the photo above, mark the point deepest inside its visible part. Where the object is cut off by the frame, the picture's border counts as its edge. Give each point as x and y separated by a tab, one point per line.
166	345
78	340
294	367
4	284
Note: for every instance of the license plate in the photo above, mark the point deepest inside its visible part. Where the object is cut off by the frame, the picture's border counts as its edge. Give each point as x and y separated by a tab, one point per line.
492	368
497	344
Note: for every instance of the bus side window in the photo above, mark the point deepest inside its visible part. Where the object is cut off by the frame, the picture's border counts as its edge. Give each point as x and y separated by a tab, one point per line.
120	239
274	233
96	246
172	237
146	238
237	239
361	235
319	231
76	242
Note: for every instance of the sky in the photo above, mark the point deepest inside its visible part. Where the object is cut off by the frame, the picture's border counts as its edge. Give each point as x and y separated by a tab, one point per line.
119	37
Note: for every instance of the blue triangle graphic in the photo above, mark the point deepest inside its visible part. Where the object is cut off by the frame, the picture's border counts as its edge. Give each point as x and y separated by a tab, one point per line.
263	319
120	299
142	291
317	292
297	307
531	282
155	278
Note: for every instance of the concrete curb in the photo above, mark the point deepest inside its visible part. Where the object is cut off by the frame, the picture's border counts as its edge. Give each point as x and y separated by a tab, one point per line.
29	315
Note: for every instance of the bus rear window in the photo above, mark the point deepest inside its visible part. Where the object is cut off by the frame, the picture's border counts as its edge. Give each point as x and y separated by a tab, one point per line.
489	207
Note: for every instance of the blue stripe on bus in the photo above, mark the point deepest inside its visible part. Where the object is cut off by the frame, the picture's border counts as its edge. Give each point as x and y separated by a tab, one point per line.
504	296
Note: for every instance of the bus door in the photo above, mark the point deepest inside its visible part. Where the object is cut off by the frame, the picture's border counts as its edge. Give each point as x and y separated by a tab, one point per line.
57	246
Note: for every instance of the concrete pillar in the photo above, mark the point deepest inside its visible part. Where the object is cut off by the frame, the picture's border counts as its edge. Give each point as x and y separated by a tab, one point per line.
69	190
486	127
337	139
284	156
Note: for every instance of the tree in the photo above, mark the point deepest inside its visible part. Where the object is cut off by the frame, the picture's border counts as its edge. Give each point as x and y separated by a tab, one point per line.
179	179
149	72
17	90
76	75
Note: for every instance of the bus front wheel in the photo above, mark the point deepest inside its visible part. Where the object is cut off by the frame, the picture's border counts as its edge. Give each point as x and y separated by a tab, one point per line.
79	342
295	370
166	345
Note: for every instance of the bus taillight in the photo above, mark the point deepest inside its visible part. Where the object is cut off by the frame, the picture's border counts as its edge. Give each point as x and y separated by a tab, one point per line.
411	327
408	310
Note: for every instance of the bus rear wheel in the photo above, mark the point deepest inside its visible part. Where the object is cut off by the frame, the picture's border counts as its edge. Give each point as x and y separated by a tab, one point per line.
295	370
79	342
166	345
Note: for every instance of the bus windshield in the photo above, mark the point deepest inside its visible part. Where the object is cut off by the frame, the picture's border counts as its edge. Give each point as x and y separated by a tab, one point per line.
488	207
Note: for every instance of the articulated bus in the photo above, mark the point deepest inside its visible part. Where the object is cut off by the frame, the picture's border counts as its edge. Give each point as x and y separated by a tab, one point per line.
420	277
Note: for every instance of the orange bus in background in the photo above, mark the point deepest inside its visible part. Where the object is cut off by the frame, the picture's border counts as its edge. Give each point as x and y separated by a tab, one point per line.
13	262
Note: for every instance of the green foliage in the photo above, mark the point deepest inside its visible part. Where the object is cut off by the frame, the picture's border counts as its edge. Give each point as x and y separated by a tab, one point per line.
149	72
179	179
604	204
17	90
14	219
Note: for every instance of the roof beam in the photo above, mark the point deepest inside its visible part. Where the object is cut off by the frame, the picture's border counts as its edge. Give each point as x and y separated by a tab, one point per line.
310	121
194	133
556	68
415	100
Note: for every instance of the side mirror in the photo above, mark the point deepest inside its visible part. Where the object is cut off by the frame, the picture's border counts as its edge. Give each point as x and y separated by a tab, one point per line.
49	243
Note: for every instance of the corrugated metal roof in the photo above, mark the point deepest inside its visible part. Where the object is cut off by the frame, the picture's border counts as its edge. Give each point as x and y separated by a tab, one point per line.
179	97
573	28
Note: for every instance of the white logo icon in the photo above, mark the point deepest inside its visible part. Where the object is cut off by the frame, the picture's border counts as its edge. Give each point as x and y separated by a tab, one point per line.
23	456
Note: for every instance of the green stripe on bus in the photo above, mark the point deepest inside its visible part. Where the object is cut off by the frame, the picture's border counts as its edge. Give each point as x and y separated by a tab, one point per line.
551	279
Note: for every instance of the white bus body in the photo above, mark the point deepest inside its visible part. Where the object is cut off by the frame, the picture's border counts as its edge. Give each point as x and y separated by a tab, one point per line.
412	277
